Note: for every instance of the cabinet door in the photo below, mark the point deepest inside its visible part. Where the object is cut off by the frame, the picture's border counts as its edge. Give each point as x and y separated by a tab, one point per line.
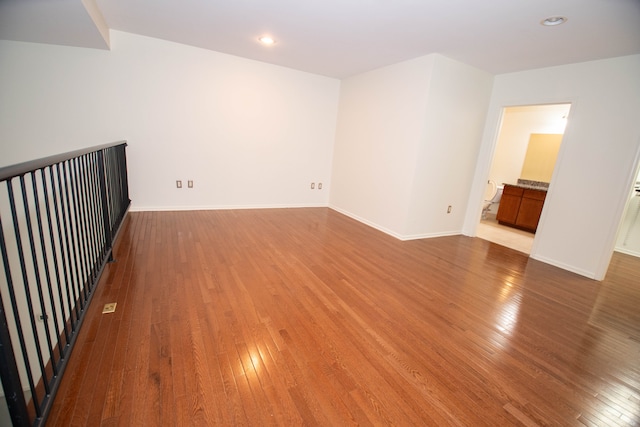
508	209
529	214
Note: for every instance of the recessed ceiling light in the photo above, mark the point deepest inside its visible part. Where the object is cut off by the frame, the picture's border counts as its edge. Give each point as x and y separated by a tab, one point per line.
553	20
266	40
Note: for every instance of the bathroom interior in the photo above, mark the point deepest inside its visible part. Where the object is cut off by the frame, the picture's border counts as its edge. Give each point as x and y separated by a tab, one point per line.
527	147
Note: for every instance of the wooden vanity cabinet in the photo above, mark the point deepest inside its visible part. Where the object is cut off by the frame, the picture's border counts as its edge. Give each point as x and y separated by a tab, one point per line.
530	209
509	205
521	207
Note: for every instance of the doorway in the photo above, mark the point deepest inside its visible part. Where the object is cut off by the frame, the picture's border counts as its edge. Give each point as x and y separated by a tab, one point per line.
628	240
521	161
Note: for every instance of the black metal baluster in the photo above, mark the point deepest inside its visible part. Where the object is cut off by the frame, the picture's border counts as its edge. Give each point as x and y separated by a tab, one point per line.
96	237
98	165
105	206
78	234
124	181
67	268
86	220
84	229
102	200
115	184
25	283
38	279
109	190
54	314
71	244
119	198
56	190
96	228
56	262
8	365
45	264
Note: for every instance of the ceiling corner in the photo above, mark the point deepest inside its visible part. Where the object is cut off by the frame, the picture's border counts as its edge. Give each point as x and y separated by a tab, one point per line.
96	16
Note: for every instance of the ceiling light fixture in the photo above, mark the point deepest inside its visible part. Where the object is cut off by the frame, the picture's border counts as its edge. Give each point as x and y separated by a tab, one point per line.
553	20
266	40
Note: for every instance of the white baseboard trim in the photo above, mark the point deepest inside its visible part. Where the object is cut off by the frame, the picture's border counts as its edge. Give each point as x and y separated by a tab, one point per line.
571	268
431	235
627	251
393	233
294	206
220	207
366	222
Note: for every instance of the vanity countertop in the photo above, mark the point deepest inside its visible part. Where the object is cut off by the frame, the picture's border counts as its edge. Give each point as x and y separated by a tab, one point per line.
531	185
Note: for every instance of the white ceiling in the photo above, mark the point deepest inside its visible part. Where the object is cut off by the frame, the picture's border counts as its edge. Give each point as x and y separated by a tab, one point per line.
339	38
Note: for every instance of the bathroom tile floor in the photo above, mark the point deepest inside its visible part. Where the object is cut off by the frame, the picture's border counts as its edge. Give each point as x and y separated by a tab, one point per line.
489	229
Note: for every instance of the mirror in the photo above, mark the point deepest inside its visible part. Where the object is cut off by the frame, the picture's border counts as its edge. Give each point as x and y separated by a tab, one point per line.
540	158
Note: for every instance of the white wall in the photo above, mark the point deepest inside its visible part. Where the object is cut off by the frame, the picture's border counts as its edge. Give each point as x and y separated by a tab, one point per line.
248	133
406	143
457	107
596	164
381	123
255	135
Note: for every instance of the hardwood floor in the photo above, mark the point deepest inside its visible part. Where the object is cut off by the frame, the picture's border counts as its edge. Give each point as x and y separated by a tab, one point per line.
307	317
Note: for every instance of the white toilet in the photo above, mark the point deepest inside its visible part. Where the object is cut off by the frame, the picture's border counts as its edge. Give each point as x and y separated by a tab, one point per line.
492	195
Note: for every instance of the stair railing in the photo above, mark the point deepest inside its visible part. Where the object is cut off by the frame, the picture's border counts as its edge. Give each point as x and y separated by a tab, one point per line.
58	220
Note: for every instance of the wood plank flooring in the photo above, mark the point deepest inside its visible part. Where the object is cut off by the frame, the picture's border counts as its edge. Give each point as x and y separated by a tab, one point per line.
307	317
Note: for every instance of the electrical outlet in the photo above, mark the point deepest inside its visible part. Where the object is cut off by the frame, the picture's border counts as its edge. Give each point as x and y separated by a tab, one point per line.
449	209
313	185
178	184
190	184
319	186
